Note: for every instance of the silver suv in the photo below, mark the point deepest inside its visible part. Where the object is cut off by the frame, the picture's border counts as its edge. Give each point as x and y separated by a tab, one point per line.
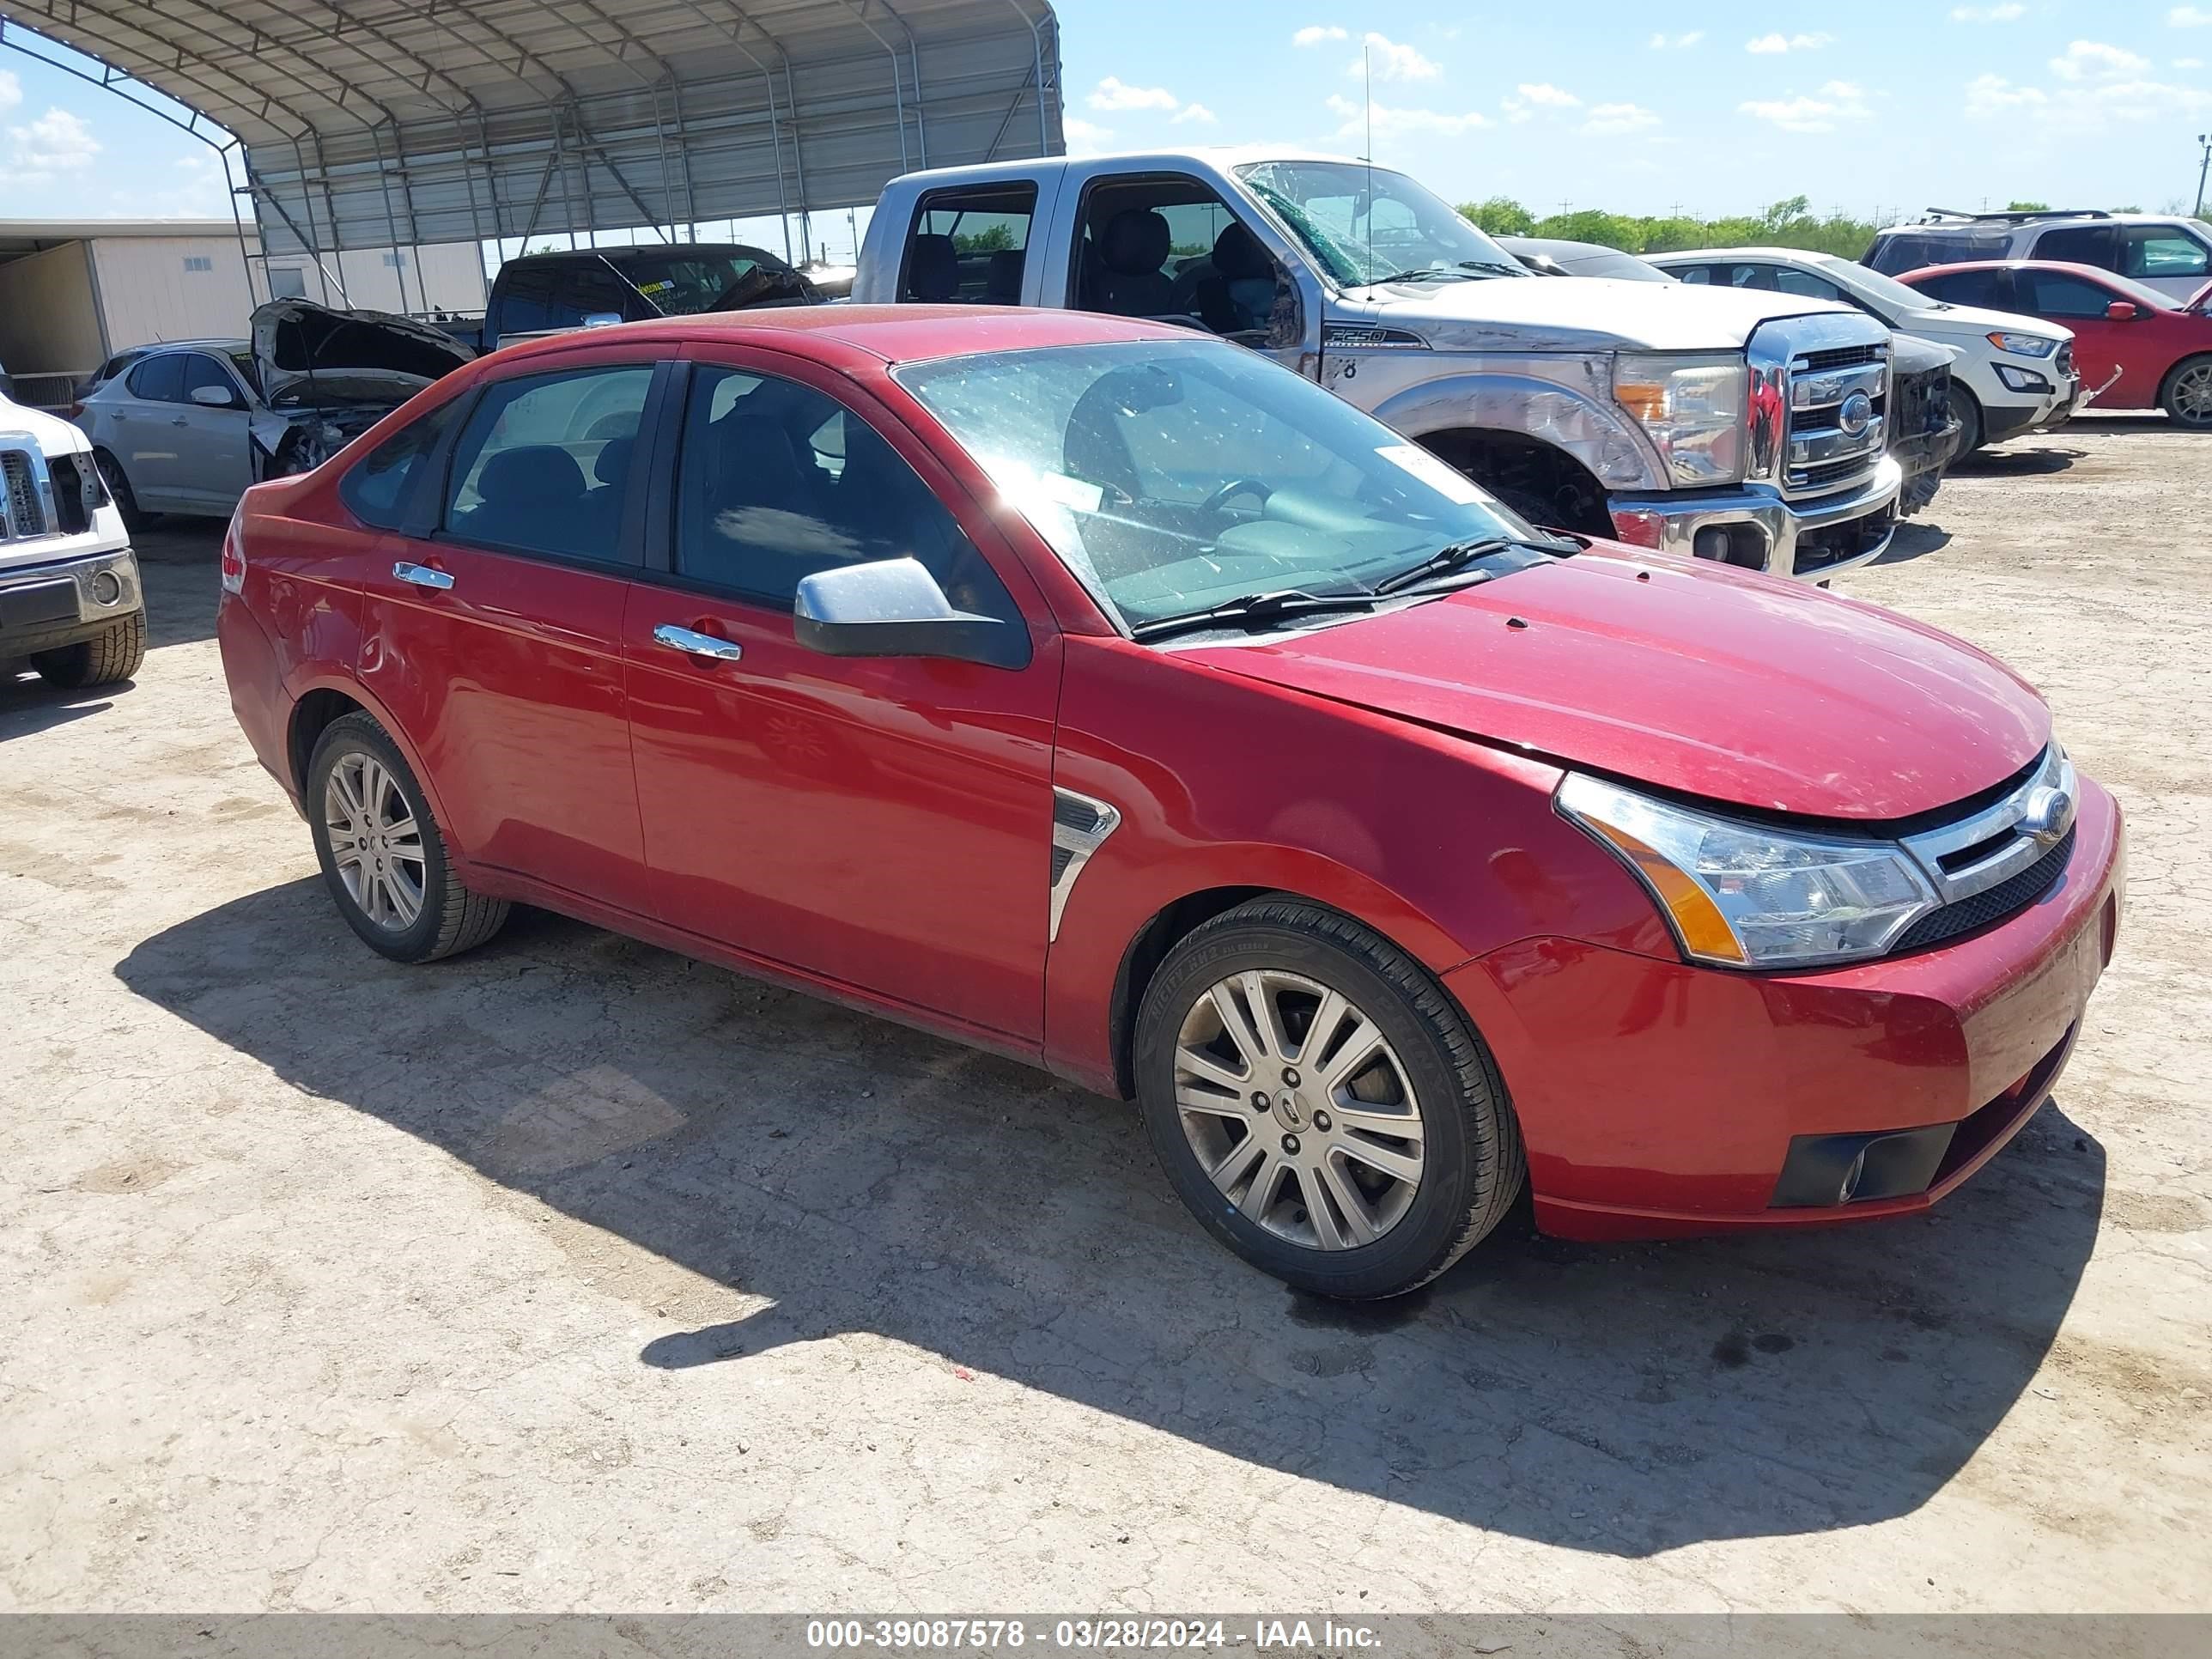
2171	253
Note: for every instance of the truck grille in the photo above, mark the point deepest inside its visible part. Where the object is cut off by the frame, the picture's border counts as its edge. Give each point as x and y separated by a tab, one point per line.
20	514
1838	425
1820	362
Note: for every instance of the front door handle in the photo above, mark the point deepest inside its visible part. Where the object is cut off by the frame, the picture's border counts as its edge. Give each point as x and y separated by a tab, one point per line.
421	575
697	645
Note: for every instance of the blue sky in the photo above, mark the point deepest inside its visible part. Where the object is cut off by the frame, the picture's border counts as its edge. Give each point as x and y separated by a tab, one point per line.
1718	107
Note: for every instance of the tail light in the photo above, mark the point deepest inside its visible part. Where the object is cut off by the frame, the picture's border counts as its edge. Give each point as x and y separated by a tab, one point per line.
234	553
75	410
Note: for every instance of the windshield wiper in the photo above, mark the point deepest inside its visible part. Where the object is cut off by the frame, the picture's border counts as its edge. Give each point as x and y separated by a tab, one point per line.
1460	555
1425	274
1250	608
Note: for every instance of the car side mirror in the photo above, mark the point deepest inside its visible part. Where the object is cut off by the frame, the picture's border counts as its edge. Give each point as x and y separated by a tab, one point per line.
894	608
602	318
2121	310
213	397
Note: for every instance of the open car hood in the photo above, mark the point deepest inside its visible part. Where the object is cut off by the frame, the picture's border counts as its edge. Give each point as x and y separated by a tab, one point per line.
1735	688
313	356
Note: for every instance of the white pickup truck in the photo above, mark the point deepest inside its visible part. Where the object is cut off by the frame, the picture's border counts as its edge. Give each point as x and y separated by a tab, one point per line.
69	598
1744	428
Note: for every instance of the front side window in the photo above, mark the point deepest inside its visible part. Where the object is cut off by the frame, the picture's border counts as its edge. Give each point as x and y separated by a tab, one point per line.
1368	225
2055	294
543	462
778	481
376	487
201	371
2150	252
1173	479
967	247
159	380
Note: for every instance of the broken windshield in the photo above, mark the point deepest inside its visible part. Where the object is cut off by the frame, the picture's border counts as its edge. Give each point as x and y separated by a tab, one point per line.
1364	225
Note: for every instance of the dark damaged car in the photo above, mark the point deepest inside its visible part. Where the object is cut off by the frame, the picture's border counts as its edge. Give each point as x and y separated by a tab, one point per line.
186	426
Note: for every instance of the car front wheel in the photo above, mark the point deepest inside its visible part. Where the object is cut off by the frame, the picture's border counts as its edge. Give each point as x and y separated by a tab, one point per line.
1320	1103
2188	395
382	854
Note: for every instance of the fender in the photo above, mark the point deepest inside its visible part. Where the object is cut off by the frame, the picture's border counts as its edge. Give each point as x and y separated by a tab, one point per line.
1526	405
332	677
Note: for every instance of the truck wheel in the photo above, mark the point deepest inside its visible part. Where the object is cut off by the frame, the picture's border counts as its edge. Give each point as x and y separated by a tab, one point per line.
1320	1104
1971	430
383	856
113	655
111	474
2187	398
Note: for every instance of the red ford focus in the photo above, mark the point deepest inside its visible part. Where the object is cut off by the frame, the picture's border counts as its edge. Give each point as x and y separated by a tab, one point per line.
1117	700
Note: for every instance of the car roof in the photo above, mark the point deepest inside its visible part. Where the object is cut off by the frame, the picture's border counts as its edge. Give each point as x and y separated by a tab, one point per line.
2006	224
183	345
2069	267
1223	156
888	333
1810	255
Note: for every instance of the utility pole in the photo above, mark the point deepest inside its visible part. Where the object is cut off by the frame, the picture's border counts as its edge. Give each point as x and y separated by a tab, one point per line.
2204	142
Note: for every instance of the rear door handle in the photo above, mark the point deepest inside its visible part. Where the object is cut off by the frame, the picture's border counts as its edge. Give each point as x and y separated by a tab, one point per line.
421	575
697	645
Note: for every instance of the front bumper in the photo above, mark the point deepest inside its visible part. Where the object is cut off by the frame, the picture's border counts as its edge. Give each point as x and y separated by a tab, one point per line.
1656	1098
1759	529
2046	414
45	606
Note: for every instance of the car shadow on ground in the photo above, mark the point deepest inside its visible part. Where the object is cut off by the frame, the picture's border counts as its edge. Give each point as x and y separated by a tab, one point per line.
1624	1400
1914	541
28	704
2014	463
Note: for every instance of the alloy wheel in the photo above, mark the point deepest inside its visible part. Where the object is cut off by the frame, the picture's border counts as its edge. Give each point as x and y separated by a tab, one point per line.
2192	395
374	841
1298	1110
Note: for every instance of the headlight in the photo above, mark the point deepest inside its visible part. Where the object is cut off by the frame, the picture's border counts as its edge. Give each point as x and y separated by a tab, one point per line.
2023	345
1747	895
1693	408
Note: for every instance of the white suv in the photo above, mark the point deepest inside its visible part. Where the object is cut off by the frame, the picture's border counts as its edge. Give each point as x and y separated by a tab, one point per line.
69	598
2170	253
2013	374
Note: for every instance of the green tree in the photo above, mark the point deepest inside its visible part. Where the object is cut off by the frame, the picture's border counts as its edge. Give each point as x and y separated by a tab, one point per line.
2028	207
1501	216
995	240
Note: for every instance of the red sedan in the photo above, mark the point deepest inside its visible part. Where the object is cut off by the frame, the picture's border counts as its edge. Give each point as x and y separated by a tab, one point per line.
1117	700
2145	349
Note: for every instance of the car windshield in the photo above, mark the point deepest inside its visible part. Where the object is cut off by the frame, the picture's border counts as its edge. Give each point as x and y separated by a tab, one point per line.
2126	287
684	282
1872	284
1365	225
1173	479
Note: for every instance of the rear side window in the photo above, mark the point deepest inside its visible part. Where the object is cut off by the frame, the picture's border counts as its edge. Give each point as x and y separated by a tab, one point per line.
158	379
543	463
377	489
1968	287
778	481
970	246
2080	245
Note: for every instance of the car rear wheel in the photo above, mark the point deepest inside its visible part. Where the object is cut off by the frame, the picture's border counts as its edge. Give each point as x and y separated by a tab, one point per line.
2188	395
383	856
1319	1103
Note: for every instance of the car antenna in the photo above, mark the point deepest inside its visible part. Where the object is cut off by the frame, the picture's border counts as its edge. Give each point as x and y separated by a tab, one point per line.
1367	82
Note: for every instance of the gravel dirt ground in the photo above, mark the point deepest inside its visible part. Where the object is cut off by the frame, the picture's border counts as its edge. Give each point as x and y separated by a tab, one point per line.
574	1274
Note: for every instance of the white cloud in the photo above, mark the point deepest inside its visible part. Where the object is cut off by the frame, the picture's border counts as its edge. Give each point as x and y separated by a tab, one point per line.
1111	94
2189	17
1611	120
1771	43
1198	112
1314	34
58	142
1549	96
11	90
1839	100
1987	14
1387	60
2092	60
2089	105
2188	63
1678	42
1394	122
1084	138
1989	95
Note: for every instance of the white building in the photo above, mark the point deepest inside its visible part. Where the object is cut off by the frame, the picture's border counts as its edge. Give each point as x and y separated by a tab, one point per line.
72	294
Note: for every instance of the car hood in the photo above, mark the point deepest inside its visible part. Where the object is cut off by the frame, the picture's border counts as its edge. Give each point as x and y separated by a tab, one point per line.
1971	323
1741	689
2200	300
308	356
1591	313
51	435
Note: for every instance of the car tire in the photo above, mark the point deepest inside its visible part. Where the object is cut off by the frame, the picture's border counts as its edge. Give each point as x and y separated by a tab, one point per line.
1425	1069
2186	397
398	892
118	486
114	654
1972	433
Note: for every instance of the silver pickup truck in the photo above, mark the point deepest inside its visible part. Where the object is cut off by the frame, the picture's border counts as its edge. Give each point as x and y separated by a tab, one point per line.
70	601
1742	427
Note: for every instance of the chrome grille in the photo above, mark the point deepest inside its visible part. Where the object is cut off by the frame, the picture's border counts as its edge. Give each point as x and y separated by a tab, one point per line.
20	517
1838	424
1819	362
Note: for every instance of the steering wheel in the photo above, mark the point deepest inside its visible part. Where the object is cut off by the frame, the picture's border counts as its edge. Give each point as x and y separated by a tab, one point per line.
1230	491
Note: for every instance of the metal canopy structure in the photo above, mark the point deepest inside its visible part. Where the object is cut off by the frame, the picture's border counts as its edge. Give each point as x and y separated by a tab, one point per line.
381	124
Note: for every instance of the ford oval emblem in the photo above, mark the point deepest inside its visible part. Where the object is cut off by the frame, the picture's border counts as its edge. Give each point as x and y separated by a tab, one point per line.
1857	414
2048	816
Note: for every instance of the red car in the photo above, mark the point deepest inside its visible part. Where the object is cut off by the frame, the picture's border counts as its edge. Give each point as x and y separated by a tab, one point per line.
1119	700
2145	349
